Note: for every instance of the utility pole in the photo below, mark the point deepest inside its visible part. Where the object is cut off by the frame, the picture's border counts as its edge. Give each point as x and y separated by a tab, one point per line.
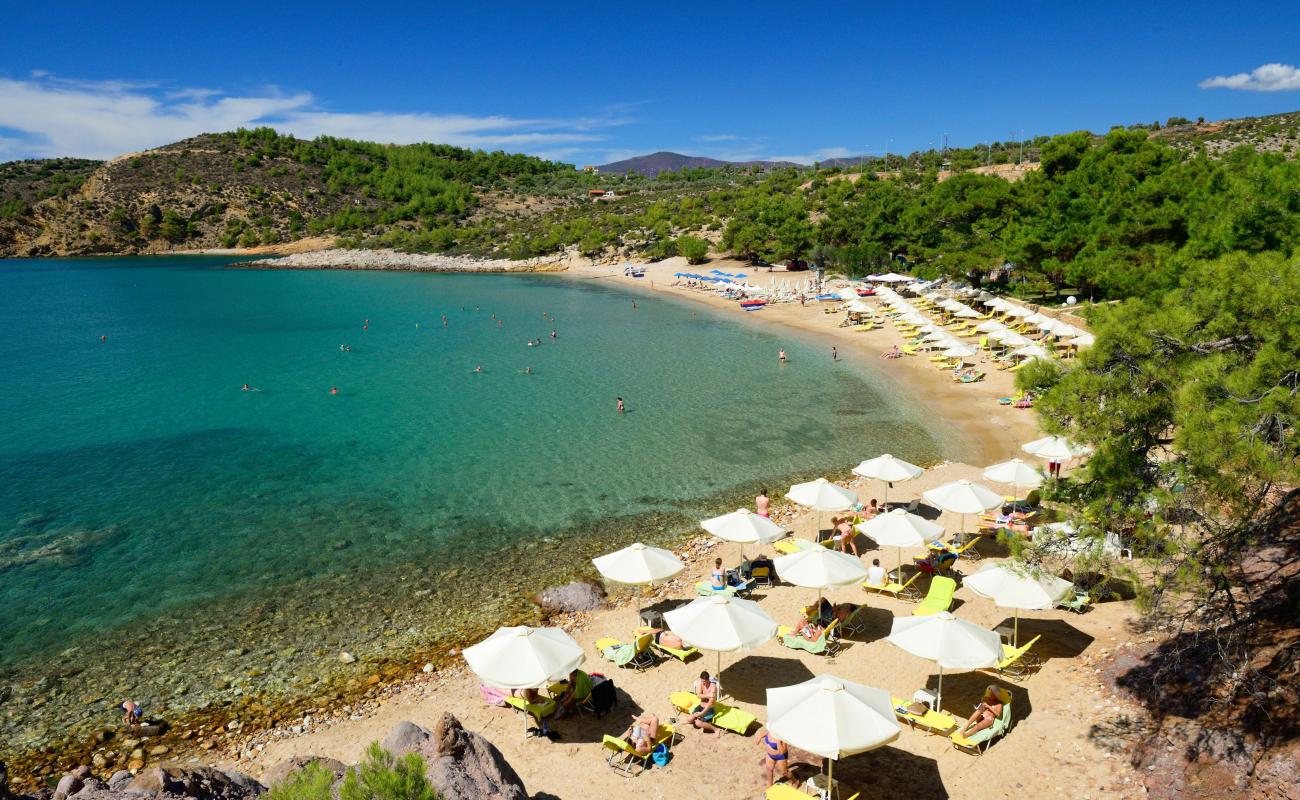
1022	147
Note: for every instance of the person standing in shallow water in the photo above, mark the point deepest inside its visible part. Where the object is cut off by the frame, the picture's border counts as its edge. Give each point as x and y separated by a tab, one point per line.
835	353
621	408
780	356
762	505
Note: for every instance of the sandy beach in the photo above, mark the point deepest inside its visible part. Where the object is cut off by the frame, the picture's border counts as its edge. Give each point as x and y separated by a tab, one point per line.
1051	751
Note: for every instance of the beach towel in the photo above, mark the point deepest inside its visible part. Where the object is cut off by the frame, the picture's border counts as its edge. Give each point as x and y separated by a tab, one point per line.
492	695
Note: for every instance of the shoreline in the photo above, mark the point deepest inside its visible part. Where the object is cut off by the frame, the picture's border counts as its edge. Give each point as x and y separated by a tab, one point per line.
994	432
205	730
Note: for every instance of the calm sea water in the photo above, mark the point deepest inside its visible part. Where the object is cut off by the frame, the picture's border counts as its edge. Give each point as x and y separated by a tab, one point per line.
138	481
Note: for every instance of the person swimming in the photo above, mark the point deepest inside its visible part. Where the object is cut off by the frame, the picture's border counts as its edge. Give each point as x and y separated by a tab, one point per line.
527	370
478	369
553	334
621	408
334	390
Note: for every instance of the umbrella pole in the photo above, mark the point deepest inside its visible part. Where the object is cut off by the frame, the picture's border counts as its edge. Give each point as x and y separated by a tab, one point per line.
938	701
1015	636
830	781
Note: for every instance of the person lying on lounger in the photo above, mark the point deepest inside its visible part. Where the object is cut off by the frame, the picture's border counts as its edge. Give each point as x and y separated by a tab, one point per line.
986	713
643	732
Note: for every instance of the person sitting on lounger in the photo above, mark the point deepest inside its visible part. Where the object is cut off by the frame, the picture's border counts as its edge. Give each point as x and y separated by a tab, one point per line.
809	629
986	713
718	576
892	352
776	757
845	610
578	690
876	575
702	715
936	563
642	732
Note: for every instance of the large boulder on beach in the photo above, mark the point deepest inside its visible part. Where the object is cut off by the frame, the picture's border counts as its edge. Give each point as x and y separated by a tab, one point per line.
462	765
203	783
576	596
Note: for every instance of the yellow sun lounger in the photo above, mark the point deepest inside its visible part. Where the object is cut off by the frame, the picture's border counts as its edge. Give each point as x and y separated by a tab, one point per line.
631	758
680	655
931	721
536	711
729	718
1017	662
899	590
791	545
939	598
784	791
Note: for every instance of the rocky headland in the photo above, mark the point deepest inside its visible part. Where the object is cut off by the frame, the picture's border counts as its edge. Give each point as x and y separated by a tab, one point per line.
399	261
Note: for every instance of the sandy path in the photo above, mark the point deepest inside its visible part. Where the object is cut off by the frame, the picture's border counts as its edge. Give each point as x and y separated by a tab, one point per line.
1047	754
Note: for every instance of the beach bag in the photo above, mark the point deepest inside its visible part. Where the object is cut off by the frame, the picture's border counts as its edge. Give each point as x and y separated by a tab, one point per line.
661	756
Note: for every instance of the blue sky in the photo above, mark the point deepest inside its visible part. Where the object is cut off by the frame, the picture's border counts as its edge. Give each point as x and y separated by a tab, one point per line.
590	85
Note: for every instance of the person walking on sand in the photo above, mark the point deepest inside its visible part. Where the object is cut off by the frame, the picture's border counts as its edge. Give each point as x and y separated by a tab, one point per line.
762	505
780	356
621	408
775	755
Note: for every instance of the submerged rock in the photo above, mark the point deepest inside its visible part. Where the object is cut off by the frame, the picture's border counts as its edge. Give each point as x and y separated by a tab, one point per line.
571	597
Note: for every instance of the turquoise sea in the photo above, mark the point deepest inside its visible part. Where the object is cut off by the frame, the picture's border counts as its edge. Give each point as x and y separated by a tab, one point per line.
176	538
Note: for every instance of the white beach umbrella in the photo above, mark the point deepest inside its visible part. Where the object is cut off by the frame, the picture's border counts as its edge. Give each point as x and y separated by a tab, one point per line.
1015	472
960	350
638	563
524	658
722	624
1050	324
898	528
744	526
938	336
1010	338
832	717
822	495
1063	539
1014	585
859	307
820	568
1084	340
992	302
1031	351
990	325
888	469
1020	311
1037	318
963	497
1053	448
967	313
954	644
949	304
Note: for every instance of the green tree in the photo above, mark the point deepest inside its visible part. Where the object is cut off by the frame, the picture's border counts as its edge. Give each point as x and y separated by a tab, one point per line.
381	776
693	248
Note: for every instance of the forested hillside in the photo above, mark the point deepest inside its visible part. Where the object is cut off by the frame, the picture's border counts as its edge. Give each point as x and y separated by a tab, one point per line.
1105	217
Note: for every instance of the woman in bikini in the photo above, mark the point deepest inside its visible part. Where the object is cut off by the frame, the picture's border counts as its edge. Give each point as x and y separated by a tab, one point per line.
776	757
986	713
718	579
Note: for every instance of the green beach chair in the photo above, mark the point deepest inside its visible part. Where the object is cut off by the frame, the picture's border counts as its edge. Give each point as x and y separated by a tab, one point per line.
728	718
939	598
633	763
1079	602
980	741
1018	662
537	712
705	589
826	644
622	654
679	654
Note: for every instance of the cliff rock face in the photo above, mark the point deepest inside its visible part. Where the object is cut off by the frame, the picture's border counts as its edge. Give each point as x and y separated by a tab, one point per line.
168	782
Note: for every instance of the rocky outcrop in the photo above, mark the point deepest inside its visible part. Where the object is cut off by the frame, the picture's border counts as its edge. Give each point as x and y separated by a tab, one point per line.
572	597
462	764
168	782
395	260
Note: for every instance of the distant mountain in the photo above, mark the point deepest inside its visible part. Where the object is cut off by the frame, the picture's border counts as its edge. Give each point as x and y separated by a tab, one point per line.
664	161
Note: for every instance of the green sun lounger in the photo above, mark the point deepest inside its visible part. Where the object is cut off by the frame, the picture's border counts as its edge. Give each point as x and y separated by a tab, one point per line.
939	598
631	760
635	654
977	743
728	718
826	644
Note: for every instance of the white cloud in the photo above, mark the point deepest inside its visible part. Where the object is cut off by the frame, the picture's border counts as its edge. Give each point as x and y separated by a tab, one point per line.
720	137
1267	78
49	116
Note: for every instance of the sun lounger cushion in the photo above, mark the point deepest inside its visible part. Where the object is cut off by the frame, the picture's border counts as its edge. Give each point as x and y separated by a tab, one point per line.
932	720
729	718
